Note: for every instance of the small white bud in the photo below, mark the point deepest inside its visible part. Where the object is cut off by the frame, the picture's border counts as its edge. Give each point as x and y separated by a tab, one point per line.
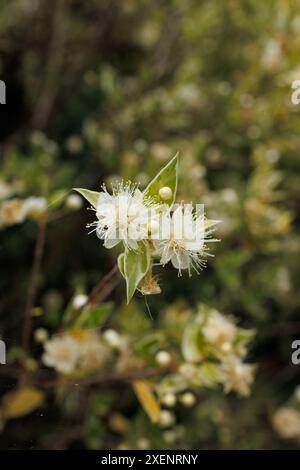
41	335
79	301
165	193
163	358
74	202
188	399
113	338
169	400
166	419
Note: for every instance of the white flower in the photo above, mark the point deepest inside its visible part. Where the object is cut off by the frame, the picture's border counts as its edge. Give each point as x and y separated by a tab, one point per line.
124	216
286	422
62	353
182	239
237	376
219	331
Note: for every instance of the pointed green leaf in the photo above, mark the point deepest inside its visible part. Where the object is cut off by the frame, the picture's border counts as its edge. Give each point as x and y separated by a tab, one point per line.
91	196
136	265
167	177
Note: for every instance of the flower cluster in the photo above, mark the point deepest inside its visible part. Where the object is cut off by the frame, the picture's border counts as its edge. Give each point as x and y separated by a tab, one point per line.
212	352
75	351
151	226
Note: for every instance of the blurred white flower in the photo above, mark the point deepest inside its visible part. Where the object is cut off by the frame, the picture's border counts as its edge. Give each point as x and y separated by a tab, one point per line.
286	422
236	375
12	212
62	353
219	331
93	353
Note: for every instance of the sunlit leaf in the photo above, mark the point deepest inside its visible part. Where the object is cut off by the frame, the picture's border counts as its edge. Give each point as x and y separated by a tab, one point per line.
144	392
21	402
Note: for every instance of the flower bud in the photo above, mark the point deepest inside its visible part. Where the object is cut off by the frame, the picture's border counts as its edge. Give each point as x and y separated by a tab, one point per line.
188	399
41	335
166	419
79	301
74	202
169	400
113	338
165	193
163	358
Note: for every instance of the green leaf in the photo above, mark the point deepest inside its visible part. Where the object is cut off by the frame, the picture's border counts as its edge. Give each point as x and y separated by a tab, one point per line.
91	196
94	317
167	177
121	263
136	265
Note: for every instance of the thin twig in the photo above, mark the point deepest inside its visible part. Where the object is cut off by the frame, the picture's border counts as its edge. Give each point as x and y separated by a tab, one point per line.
105	286
53	66
33	283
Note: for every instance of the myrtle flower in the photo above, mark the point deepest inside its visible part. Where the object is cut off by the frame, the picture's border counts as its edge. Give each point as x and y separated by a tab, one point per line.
236	375
183	235
124	216
62	353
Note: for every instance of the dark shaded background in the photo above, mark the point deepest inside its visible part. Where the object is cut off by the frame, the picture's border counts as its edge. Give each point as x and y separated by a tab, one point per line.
103	88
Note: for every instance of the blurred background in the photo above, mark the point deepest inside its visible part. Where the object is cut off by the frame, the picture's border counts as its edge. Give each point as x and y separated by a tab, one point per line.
100	90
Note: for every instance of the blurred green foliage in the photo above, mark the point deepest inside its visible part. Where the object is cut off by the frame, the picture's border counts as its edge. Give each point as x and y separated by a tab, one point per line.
103	90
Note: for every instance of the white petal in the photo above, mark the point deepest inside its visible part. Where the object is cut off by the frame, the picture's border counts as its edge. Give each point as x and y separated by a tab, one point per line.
110	243
180	260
